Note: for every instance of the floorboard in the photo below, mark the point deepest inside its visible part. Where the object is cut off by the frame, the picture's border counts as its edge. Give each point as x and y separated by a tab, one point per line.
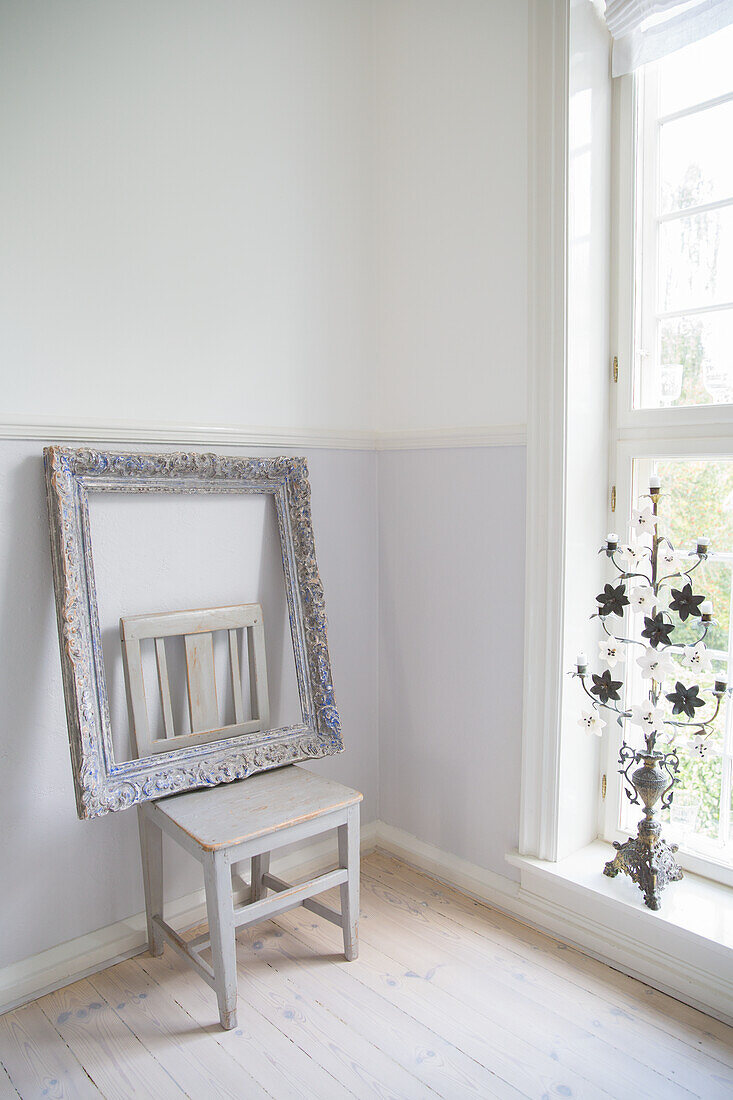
525	989
448	998
36	1060
686	1023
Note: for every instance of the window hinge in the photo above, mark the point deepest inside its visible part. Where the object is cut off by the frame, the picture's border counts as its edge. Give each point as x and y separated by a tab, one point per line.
613	498
615	368
603	785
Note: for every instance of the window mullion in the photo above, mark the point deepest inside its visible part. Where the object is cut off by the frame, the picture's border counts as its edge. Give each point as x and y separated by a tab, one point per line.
697	108
693	211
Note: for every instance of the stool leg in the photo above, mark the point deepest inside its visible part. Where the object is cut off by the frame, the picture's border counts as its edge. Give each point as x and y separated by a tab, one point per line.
348	839
220	909
260	867
151	851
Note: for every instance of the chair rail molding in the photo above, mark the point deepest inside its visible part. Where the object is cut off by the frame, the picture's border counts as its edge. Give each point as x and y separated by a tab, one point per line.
190	434
194	434
549	31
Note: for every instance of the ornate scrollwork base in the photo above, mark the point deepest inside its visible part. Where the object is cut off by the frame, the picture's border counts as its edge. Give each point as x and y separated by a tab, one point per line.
651	865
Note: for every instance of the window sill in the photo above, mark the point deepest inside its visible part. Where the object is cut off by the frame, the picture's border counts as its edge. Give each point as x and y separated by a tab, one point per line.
685	948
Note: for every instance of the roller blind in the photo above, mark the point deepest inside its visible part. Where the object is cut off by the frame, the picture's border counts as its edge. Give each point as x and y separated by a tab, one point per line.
646	30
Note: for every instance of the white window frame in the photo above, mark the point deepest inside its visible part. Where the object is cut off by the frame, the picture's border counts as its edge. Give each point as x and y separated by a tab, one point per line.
695	431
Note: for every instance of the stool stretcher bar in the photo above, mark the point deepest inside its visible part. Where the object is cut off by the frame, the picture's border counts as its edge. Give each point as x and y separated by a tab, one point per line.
316	907
190	954
287	897
290	898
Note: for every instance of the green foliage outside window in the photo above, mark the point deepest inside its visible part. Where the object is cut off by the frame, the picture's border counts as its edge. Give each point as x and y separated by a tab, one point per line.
698	500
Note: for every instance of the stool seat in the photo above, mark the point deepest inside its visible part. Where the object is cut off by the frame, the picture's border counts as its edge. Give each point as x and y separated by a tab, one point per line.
220	817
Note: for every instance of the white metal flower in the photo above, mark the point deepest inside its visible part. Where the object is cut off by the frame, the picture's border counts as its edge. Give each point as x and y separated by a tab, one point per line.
642	598
669	562
632	556
611	652
700	748
643	520
655	664
697	657
648	717
592	722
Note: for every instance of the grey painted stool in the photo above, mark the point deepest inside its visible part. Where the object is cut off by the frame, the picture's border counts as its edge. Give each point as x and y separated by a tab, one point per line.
245	820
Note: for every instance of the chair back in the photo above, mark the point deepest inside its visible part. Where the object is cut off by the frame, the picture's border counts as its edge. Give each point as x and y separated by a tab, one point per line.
197	628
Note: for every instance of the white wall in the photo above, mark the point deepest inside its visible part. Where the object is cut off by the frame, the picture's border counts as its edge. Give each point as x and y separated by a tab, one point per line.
451	212
451	615
451	263
185	196
225	211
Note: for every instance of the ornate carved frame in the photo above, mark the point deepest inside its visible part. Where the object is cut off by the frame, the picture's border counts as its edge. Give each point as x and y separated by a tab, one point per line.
102	784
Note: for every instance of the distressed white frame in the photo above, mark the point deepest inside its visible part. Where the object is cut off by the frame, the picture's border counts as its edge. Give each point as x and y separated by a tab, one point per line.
101	783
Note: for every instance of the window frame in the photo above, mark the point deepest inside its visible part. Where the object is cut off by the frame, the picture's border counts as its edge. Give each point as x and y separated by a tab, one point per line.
700	431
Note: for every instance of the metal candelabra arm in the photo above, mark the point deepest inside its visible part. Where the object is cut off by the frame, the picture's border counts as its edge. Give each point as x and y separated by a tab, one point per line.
671	764
627	758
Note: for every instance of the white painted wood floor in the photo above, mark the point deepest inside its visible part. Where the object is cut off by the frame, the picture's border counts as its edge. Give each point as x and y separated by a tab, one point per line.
447	998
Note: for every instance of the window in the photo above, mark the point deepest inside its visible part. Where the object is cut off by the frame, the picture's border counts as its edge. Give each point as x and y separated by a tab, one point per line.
684	228
674	410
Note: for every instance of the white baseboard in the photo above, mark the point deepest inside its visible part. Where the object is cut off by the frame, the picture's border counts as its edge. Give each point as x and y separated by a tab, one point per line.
497	890
69	962
664	959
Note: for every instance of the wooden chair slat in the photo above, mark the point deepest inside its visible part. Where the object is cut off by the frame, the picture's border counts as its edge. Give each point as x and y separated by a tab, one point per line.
236	675
203	737
165	624
257	659
202	703
136	703
164	685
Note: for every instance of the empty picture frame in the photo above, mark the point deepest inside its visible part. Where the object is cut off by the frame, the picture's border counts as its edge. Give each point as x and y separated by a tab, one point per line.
103	784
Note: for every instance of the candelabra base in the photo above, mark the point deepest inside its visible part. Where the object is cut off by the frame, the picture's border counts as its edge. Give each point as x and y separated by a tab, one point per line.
649	863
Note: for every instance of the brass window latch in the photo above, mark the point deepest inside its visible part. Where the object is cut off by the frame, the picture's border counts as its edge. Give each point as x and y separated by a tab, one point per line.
615	368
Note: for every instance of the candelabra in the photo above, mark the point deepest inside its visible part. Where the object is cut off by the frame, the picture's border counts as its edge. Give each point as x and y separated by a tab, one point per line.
654	568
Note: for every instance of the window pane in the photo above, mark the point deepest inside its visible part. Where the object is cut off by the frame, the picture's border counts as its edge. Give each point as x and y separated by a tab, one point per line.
695	159
695	361
684	260
696	261
699	72
697	796
697	499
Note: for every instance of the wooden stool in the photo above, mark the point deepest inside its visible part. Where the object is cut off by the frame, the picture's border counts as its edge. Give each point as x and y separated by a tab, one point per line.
249	819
